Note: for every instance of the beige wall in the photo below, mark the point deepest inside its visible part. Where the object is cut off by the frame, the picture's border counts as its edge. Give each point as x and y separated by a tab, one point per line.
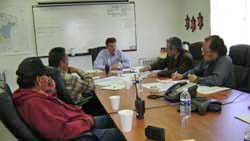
192	8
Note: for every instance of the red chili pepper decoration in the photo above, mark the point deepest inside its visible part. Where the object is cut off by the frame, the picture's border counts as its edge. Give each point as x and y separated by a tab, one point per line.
193	24
200	21
187	25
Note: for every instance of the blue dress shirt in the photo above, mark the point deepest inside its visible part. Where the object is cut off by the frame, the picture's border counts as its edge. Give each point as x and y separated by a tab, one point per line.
104	56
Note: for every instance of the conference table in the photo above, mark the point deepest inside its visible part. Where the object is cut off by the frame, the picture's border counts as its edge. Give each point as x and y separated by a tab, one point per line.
219	126
128	98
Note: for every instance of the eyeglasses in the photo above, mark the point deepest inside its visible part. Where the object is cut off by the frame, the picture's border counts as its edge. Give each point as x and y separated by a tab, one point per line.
206	50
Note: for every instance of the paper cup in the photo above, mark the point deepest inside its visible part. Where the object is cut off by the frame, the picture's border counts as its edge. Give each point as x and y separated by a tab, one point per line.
126	118
115	102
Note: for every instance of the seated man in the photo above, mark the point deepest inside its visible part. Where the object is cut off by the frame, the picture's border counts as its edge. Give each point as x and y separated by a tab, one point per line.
59	59
45	113
216	69
178	60
111	56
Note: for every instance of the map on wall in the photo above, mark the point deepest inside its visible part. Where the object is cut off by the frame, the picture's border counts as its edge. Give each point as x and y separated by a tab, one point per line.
14	33
7	24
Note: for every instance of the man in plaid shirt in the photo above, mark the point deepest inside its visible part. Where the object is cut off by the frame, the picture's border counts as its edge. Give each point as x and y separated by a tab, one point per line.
76	86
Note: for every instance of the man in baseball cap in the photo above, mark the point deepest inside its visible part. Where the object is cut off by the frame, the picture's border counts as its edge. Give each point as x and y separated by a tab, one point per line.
31	67
49	116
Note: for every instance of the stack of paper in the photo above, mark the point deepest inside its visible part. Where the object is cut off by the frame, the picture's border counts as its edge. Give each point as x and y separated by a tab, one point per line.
210	90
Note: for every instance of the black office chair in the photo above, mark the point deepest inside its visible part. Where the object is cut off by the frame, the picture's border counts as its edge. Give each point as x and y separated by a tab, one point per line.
62	93
13	121
94	52
195	50
240	55
91	106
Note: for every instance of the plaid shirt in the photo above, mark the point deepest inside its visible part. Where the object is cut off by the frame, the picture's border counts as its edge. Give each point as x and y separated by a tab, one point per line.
77	86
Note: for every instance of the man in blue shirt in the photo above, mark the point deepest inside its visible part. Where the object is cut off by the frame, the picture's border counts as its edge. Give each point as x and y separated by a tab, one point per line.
111	56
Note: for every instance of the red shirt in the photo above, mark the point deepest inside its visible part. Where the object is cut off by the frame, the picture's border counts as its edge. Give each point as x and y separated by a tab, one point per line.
48	115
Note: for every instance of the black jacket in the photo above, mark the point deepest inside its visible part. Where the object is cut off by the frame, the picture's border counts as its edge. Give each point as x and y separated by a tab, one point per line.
170	65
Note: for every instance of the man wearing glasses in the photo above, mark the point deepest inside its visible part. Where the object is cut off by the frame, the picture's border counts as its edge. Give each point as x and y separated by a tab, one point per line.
216	69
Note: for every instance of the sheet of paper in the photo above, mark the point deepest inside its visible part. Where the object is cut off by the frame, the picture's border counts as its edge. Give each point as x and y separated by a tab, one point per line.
96	77
137	68
114	87
171	81
156	71
210	90
162	86
129	75
94	71
108	81
164	80
126	70
245	118
145	74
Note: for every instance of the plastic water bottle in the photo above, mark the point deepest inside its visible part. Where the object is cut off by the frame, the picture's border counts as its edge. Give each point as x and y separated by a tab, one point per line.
247	134
119	68
139	83
185	105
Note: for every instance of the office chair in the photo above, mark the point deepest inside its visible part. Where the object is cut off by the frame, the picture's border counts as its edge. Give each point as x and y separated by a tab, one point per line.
94	52
91	106
240	55
14	122
62	93
195	50
10	117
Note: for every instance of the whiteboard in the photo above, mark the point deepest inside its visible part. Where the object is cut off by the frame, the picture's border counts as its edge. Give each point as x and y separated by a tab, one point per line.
84	26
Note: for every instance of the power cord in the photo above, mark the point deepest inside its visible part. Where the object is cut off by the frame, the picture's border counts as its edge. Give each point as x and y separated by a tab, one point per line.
234	99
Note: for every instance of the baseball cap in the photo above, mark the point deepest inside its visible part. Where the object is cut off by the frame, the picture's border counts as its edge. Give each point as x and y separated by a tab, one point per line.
32	67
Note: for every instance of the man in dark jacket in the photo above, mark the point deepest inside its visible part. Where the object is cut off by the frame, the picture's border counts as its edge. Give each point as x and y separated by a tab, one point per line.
178	60
77	86
216	69
49	116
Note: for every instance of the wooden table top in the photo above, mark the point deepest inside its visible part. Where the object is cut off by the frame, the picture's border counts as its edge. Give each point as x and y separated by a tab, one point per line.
220	126
128	97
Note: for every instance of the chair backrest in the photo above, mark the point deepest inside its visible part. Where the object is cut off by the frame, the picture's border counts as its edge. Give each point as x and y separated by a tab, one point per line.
94	52
11	118
62	93
240	55
195	50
